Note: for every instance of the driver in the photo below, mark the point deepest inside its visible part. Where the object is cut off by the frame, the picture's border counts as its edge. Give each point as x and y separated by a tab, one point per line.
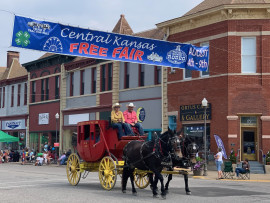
131	119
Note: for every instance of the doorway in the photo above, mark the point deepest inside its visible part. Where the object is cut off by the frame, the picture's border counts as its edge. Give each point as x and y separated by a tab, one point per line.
249	144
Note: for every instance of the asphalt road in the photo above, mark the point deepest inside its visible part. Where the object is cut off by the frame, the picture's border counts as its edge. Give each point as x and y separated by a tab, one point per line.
49	184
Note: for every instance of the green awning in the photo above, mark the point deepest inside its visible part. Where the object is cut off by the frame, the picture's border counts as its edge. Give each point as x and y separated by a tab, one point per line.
4	137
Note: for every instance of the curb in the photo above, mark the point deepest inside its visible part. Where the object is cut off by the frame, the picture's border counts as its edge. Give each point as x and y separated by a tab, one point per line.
235	180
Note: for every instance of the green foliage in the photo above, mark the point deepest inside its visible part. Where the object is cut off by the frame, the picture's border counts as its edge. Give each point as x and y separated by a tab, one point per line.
233	157
268	158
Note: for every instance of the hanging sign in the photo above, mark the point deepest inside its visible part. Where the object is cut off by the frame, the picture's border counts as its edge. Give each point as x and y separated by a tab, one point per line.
62	39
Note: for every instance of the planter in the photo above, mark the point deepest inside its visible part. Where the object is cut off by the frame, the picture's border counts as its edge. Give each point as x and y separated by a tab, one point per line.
197	173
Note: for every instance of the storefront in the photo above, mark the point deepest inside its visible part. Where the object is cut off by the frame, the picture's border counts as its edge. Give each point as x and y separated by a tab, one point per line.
16	128
192	119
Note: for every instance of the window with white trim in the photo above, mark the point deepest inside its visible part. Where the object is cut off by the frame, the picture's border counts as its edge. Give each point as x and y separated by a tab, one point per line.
248	55
187	74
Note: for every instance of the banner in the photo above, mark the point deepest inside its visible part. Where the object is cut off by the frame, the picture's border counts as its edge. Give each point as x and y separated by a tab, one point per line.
62	39
221	145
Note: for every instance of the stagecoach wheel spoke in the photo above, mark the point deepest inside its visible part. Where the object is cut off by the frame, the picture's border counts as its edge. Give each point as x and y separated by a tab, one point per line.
73	169
107	173
141	180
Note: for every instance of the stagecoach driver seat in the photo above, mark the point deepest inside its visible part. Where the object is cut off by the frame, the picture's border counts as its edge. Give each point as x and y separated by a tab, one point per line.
131	119
118	121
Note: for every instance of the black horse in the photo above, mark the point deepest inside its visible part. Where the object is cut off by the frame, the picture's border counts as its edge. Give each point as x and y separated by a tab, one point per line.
152	155
183	158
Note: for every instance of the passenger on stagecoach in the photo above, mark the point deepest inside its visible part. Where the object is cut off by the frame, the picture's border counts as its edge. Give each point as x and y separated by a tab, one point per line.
131	119
118	121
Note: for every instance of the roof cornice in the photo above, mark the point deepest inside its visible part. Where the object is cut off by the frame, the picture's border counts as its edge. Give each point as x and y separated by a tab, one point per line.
211	11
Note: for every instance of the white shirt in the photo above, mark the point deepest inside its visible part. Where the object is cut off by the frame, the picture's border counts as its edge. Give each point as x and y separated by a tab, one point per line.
219	154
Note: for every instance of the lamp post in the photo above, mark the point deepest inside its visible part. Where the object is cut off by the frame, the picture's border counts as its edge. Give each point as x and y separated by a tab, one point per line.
56	119
204	105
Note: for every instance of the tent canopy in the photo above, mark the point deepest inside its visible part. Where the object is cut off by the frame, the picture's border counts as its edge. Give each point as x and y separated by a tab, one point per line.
4	137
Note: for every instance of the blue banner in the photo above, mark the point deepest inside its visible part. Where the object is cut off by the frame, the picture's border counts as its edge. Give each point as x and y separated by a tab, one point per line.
62	39
221	145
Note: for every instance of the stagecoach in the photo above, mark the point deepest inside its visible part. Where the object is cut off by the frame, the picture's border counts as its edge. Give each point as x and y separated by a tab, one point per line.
100	150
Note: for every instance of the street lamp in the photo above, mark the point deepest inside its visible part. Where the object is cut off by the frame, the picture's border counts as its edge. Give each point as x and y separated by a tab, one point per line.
204	105
56	119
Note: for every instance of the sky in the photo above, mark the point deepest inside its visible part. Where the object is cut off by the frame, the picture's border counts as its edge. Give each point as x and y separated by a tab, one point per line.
93	14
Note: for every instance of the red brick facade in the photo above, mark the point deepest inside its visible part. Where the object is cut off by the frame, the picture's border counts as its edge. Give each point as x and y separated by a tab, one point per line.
229	92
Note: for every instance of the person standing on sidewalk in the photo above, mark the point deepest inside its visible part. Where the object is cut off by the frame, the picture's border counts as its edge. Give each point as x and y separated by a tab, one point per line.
219	162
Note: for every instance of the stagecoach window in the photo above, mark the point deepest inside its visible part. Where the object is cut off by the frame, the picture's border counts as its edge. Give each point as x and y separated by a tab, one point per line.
87	132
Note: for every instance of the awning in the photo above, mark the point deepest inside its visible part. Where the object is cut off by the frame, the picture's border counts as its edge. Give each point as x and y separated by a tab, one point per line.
4	137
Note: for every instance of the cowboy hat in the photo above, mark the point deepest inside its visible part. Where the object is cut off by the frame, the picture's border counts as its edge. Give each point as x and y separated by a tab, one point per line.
131	105
116	104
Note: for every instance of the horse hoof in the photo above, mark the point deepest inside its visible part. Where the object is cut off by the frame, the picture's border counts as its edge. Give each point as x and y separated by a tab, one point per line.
167	191
163	196
124	191
134	193
155	196
188	193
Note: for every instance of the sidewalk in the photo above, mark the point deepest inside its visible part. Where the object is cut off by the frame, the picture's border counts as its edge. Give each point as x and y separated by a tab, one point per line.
212	175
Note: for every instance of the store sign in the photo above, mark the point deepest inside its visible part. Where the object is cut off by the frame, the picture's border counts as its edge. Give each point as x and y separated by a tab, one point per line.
43	118
57	38
75	118
13	125
194	112
141	114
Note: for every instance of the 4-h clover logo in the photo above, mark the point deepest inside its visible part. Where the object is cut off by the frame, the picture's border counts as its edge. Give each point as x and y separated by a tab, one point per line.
22	38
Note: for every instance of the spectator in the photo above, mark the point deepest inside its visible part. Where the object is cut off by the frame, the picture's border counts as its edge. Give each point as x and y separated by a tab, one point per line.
39	159
245	167
62	159
46	147
131	119
23	154
219	162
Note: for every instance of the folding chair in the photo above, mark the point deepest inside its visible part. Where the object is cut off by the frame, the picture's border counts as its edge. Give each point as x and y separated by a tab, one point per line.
228	170
244	175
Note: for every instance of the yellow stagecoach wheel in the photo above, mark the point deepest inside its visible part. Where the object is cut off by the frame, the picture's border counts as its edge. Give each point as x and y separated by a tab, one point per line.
107	173
141	179
73	169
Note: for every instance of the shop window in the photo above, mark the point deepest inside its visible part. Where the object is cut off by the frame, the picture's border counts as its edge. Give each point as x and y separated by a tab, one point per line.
127	73
172	122
205	73
248	54
19	95
104	115
196	133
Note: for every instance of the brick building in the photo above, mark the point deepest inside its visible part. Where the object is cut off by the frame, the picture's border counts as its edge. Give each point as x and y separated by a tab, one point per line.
13	101
237	84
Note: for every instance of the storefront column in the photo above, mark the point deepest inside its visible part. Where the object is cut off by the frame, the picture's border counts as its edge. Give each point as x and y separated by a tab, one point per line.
233	135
